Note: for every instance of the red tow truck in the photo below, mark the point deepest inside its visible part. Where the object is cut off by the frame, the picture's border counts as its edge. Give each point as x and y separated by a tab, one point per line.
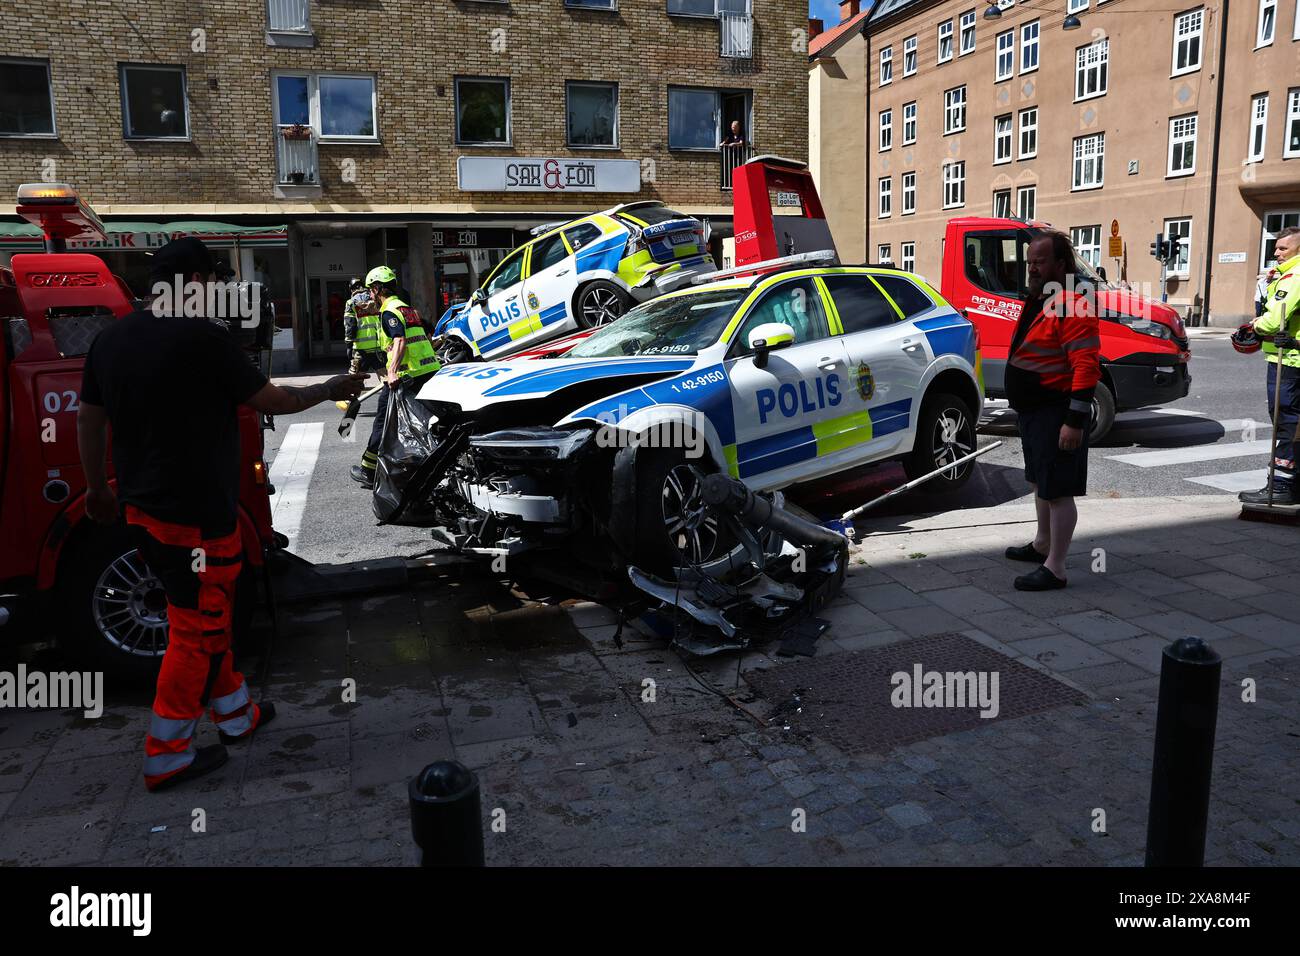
61	574
1144	346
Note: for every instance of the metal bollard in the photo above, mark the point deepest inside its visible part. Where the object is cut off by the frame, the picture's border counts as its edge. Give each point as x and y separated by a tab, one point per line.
446	816
1186	716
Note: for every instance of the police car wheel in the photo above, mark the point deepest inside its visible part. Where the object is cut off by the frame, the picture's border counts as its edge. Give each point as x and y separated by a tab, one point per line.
1103	413
945	433
599	303
673	528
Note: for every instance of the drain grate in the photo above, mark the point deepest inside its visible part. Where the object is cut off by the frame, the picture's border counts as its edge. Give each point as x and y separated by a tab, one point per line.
845	699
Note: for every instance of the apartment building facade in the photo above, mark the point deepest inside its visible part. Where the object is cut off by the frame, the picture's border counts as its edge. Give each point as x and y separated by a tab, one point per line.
309	140
1098	116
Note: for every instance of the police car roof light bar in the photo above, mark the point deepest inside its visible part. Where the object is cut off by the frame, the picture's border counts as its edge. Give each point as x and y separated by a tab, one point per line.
770	265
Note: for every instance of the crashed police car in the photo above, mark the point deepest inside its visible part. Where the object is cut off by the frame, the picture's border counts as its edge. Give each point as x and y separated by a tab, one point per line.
575	275
772	374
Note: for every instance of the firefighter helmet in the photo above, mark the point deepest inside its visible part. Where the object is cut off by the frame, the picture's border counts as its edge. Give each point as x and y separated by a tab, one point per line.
380	275
1246	339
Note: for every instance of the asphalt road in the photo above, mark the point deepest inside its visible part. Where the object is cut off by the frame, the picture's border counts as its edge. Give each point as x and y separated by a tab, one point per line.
1194	446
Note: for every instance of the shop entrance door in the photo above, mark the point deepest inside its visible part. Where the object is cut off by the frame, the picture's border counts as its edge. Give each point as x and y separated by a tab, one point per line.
326	298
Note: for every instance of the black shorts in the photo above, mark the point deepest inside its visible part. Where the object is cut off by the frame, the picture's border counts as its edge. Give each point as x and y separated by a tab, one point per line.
1056	473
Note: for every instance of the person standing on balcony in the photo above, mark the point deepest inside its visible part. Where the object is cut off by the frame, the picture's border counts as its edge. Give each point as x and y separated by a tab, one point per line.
735	136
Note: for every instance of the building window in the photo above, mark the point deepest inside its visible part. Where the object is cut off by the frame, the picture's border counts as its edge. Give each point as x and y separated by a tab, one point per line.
1274	222
593	4
1175	230
909	193
1090	64
954	110
886	66
885	192
967	33
288	16
1002	204
1006	56
1188	29
954	184
1029	47
1267	23
1182	145
884	253
886	129
1291	147
592	114
338	107
1075	6
154	104
27	100
945	41
907	256
696	117
909	123
1087	243
909	56
1029	133
1089	151
1258	127
1002	139
482	110
693	8
1027	202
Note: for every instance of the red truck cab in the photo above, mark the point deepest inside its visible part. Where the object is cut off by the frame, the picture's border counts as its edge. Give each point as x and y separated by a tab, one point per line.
1144	346
63	576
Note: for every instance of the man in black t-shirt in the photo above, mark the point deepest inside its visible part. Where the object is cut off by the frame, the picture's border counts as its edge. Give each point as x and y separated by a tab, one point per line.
170	386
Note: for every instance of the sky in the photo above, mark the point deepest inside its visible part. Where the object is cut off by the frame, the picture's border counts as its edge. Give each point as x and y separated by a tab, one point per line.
827	10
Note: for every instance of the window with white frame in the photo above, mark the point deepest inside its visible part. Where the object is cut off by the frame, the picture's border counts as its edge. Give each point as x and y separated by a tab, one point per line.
1089	153
1006	56
1267	23
1295	29
909	56
1001	203
1258	127
1090	63
909	193
1074	6
1087	243
954	110
1291	145
1274	222
27	103
1182	145
1029	133
1029	47
1189	27
909	123
288	16
884	252
1176	230
482	110
954	184
886	66
967	33
1027	202
154	102
886	129
885	192
907	256
1002	139
945	41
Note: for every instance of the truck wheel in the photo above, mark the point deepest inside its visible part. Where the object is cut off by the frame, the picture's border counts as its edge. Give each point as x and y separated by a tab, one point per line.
1103	413
112	611
944	433
673	528
599	303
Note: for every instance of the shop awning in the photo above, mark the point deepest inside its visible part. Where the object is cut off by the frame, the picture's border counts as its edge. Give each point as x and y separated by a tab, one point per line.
147	236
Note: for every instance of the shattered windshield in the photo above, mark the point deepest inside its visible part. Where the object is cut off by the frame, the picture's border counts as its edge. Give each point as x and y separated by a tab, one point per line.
677	325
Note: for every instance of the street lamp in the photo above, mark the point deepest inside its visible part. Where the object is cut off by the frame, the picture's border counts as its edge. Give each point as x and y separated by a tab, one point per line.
1071	22
992	12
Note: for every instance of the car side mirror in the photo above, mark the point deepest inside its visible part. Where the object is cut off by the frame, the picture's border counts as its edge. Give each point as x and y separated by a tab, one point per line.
767	338
479	296
1101	271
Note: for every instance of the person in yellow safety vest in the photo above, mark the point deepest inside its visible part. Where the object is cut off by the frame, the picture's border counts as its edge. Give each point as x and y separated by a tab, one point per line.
411	360
361	329
1278	329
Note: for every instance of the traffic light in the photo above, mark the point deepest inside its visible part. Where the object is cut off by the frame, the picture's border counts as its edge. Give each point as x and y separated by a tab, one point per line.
1160	248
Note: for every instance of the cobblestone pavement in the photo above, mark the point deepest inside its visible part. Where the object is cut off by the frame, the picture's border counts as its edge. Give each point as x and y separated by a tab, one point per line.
544	703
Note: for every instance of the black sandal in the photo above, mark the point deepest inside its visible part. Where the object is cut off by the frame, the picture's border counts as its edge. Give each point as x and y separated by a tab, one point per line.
1026	553
1039	579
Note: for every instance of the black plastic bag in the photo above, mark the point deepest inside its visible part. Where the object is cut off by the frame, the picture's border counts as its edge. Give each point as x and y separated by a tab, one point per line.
406	443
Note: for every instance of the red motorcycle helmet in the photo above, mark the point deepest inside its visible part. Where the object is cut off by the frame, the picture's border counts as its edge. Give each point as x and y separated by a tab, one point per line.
1246	339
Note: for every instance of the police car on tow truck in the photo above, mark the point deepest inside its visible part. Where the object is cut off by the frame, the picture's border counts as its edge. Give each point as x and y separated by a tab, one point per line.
576	275
774	373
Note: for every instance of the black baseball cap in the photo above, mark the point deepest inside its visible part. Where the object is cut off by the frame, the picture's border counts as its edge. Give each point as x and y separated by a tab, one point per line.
186	256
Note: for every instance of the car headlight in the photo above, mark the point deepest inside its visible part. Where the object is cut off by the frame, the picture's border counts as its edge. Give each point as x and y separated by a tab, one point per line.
531	444
1146	326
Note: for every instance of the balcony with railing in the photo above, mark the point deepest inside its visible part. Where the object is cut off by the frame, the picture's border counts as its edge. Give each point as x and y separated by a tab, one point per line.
730	156
288	23
735	36
297	163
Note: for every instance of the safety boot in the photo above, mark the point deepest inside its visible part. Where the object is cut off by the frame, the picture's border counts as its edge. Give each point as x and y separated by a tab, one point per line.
206	760
363	476
1284	493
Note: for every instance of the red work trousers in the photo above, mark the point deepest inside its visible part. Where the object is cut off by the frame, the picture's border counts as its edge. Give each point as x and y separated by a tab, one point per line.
199	576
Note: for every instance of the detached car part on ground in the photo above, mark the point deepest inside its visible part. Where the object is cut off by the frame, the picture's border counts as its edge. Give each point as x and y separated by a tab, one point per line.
576	275
777	378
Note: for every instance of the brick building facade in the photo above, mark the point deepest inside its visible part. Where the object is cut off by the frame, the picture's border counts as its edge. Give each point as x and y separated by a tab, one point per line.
393	98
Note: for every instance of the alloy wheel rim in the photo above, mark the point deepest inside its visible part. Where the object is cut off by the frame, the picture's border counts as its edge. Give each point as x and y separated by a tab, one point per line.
952	439
129	607
691	528
600	306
